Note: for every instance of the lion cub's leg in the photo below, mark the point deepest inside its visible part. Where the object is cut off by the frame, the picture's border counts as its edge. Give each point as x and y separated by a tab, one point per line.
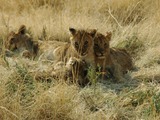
115	72
78	70
73	71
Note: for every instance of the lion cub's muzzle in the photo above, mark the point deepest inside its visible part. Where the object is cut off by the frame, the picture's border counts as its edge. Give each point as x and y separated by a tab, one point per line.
100	54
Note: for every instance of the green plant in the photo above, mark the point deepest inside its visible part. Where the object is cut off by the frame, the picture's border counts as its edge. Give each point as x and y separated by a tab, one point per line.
93	76
156	102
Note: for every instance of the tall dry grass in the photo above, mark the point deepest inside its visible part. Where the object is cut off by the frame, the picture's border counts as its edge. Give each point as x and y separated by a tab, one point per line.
135	26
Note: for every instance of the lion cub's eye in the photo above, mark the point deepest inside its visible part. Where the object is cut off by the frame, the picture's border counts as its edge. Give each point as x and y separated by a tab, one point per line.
96	45
76	44
106	45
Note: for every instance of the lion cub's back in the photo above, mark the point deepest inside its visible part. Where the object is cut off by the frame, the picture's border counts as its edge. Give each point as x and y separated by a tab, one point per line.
52	50
123	58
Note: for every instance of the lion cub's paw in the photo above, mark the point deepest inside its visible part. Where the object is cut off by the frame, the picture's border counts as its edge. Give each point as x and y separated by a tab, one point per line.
73	61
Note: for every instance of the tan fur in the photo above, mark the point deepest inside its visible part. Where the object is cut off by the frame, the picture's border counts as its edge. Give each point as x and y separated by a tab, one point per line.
113	60
85	40
52	50
80	46
122	57
102	51
21	41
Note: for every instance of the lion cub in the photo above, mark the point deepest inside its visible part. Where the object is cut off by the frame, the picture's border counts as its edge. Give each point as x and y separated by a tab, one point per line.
20	42
112	61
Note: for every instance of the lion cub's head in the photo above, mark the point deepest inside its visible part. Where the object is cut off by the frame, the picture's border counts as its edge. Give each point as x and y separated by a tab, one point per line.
16	40
101	44
21	41
82	41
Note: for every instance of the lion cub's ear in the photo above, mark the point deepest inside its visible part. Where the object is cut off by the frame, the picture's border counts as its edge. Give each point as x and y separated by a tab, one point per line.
93	32
108	35
73	31
22	29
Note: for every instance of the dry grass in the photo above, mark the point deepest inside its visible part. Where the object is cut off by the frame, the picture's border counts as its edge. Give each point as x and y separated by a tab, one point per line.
135	25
